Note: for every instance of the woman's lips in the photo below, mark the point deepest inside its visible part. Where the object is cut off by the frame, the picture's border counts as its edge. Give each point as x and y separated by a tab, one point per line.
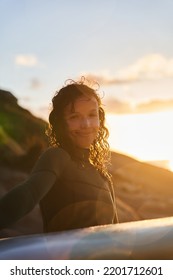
84	134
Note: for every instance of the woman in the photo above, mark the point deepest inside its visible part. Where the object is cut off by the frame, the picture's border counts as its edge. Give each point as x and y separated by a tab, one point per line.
70	180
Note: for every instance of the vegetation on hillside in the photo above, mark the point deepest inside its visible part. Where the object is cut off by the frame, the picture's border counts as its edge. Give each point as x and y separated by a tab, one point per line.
21	133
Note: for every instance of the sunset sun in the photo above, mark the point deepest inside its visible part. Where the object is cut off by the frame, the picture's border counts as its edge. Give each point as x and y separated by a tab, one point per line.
146	137
171	164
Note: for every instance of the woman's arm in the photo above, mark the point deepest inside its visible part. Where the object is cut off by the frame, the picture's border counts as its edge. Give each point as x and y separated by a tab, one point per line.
24	197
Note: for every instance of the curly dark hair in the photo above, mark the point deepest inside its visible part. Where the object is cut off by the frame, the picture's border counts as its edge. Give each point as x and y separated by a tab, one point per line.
99	154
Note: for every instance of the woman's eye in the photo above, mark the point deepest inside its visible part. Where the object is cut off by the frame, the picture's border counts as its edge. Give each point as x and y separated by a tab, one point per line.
74	117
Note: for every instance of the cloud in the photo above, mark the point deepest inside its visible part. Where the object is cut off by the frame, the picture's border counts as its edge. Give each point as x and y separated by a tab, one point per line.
149	67
35	84
154	106
26	60
115	106
105	79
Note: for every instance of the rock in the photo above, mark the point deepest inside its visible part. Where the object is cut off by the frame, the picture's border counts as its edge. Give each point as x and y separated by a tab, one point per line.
7	97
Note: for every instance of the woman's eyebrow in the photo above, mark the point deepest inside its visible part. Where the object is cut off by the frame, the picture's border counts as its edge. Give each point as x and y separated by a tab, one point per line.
71	113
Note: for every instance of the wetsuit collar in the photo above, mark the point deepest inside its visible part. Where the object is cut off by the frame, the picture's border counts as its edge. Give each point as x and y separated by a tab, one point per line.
82	154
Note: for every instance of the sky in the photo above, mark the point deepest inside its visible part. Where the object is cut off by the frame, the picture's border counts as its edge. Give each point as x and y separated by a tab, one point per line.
124	45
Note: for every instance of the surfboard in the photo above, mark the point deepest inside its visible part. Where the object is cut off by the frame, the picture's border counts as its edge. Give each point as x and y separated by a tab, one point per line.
148	239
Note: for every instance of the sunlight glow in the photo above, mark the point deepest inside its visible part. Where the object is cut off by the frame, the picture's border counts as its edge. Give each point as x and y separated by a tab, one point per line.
171	165
147	137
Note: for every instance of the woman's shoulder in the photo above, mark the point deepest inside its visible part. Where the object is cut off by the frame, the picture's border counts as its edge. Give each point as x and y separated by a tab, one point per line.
53	158
55	153
56	150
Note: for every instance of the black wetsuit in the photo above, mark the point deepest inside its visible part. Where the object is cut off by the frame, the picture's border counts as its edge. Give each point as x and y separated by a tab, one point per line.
71	192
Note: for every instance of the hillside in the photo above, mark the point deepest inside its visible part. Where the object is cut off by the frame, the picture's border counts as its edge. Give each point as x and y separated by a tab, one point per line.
147	189
142	191
21	133
17	122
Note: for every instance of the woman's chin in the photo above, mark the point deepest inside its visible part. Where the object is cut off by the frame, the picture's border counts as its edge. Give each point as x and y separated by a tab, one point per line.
84	144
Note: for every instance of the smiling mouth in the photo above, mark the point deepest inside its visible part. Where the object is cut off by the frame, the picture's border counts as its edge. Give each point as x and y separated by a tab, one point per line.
84	134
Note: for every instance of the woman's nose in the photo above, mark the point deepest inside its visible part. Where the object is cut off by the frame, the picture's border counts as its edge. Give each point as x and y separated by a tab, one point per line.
85	122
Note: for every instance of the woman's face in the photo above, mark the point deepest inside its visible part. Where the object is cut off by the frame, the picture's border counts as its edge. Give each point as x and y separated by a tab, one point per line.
82	121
